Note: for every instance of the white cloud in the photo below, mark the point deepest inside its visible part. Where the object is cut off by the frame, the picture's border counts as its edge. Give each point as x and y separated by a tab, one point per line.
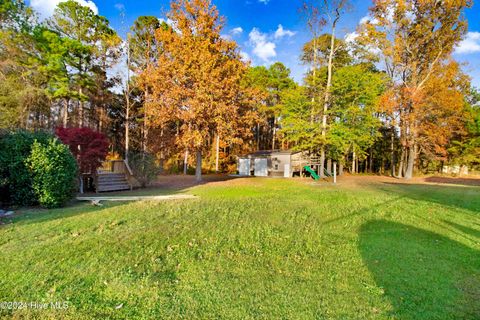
388	15
226	37
167	21
351	37
119	71
236	31
245	56
365	19
256	36
368	19
262	48
264	1
280	33
119	6
471	44
172	24
46	7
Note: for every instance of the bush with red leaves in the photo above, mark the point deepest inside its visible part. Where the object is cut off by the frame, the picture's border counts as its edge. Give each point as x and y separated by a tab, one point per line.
89	147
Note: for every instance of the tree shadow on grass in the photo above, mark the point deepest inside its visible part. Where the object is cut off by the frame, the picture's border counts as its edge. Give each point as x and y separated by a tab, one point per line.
36	215
423	274
166	185
452	196
473	233
452	180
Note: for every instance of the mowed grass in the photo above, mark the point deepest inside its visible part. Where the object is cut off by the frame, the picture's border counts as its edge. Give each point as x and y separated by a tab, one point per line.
253	249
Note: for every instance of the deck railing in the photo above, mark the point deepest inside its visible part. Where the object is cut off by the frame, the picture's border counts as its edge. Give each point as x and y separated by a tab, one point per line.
118	166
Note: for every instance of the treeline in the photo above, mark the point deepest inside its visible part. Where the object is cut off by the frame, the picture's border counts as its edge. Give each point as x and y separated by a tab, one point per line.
54	73
390	99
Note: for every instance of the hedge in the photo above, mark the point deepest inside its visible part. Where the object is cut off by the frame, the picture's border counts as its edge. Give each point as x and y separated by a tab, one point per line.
15	176
54	170
33	168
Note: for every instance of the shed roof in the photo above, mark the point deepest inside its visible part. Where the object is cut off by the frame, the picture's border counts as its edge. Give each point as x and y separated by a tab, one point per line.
263	153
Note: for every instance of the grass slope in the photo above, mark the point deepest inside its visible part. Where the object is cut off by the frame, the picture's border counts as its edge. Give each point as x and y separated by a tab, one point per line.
253	249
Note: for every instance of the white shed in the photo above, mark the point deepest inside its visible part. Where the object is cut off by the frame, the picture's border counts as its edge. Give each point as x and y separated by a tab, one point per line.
273	163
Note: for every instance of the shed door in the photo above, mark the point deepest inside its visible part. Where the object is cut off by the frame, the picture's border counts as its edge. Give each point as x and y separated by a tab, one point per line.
286	172
261	168
244	167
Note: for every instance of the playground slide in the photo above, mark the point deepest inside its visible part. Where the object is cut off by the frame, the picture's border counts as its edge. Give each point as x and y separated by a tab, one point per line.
312	173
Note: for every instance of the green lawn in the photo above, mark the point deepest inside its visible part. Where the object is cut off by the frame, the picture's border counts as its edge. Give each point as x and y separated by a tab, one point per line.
263	249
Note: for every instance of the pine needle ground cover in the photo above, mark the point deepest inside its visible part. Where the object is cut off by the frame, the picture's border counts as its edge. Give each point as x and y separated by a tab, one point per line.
252	249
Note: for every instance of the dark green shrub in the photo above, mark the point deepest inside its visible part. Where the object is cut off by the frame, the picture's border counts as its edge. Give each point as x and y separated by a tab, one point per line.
54	170
15	177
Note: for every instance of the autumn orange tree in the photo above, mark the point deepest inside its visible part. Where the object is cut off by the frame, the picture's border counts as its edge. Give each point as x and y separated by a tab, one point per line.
443	105
143	54
415	39
196	85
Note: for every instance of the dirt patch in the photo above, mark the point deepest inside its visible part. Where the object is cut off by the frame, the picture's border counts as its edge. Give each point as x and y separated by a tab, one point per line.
359	180
466	181
187	181
182	182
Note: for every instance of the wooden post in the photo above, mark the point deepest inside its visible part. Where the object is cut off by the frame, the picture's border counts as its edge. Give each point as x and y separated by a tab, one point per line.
335	172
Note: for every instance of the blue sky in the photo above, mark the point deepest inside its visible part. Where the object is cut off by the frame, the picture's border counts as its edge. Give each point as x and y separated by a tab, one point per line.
255	25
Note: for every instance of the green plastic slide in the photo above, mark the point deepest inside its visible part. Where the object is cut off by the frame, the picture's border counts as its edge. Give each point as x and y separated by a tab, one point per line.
312	173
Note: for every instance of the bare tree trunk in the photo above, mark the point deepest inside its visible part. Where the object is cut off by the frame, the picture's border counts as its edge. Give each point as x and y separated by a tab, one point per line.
185	162
392	150
127	98
312	114
217	153
162	153
258	136
198	168
80	184
370	161
274	132
321	167
100	119
65	113
145	125
329	166
353	162
127	128
327	91
80	109
334	172
400	166
411	161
